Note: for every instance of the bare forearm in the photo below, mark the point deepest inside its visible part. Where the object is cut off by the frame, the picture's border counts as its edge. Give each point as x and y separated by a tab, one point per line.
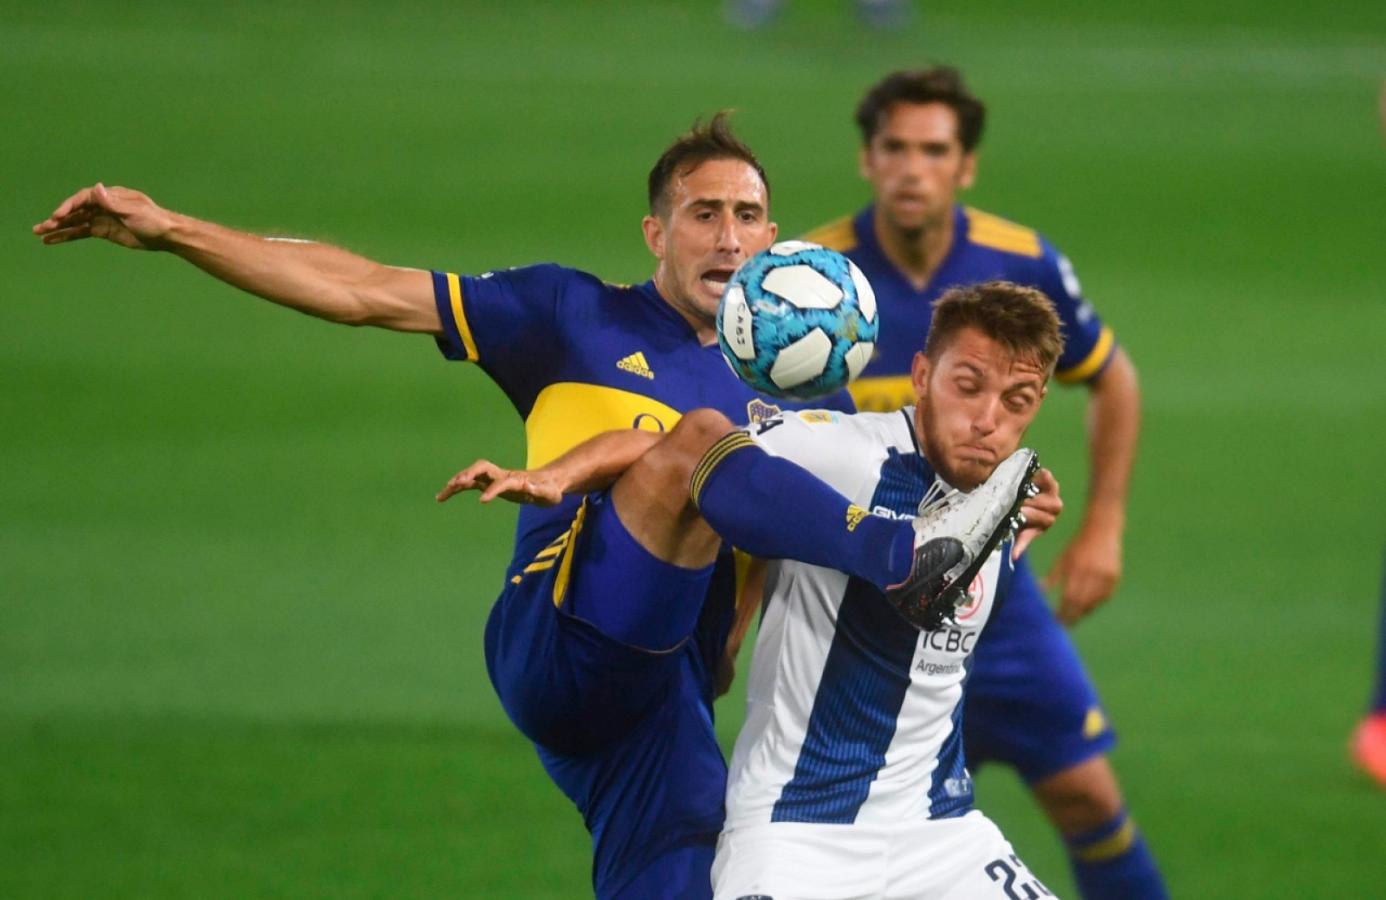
316	279
1114	421
313	278
597	463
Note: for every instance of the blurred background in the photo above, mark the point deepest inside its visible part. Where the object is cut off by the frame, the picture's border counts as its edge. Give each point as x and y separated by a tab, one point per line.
240	646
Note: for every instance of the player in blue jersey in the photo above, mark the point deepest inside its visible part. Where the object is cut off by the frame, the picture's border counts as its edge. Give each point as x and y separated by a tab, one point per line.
1029	702
606	643
1369	740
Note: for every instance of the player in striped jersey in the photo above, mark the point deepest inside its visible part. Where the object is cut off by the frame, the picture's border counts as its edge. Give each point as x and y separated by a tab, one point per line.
1030	704
849	777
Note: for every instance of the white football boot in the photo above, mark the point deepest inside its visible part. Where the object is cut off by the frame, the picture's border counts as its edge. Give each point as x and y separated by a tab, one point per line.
954	535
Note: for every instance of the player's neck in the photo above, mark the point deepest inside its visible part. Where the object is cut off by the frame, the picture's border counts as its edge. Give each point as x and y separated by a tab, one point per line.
702	326
915	253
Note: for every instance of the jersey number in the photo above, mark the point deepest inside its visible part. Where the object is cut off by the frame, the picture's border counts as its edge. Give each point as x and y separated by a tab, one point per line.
765	425
1005	872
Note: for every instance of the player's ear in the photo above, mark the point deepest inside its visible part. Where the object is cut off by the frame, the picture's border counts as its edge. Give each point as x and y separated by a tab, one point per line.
774	231
968	173
919	374
653	227
864	162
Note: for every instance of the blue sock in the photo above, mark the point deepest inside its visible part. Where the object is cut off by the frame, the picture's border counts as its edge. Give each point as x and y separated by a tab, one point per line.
1379	701
772	508
1112	862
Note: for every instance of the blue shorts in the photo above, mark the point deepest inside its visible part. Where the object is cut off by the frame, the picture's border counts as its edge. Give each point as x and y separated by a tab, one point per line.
625	732
1028	702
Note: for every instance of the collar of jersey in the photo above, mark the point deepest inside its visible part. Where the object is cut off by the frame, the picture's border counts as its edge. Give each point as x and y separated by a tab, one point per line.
671	315
865	230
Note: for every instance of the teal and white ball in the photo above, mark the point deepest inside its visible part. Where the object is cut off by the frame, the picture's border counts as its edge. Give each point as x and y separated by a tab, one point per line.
797	321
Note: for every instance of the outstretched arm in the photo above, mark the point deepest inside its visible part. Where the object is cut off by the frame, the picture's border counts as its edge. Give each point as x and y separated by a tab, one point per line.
590	466
1089	568
313	278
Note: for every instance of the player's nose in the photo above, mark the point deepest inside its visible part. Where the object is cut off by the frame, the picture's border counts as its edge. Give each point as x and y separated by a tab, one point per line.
985	418
729	234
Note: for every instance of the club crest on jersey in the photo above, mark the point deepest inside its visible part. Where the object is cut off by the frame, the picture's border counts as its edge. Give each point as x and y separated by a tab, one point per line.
975	592
758	411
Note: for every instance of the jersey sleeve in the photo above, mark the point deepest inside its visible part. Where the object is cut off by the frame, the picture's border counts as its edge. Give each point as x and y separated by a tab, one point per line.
1088	343
509	322
491	319
819	440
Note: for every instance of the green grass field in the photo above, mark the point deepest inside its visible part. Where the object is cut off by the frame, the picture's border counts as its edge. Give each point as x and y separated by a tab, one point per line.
240	646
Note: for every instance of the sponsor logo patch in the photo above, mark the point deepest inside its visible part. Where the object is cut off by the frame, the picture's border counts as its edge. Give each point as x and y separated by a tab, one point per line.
636	365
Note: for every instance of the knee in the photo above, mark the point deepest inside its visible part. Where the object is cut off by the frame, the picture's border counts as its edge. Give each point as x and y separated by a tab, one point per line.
1081	798
700	429
674	458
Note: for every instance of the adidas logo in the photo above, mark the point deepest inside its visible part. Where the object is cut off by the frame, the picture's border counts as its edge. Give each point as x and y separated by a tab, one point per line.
636	365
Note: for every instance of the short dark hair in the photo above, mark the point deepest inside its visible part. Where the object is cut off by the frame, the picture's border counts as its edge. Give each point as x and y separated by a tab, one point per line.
698	145
1021	319
936	84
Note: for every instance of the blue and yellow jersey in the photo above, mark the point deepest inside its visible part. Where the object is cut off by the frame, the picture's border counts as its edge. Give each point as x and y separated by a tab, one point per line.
577	357
985	247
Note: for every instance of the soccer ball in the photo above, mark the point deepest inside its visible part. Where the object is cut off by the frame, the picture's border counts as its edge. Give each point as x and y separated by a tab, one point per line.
797	321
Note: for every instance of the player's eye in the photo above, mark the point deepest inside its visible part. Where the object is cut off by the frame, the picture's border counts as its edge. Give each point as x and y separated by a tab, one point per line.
966	385
1019	403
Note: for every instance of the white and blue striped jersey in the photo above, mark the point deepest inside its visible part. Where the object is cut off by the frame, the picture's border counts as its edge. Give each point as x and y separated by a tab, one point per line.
854	716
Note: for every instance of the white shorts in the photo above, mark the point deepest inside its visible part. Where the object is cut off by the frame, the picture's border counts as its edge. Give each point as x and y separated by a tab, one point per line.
938	859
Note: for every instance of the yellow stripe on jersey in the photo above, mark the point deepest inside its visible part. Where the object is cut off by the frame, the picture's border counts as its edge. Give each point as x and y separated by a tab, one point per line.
545	559
460	318
565	568
1094	724
836	235
567	413
1092	363
885	393
1110	848
999	234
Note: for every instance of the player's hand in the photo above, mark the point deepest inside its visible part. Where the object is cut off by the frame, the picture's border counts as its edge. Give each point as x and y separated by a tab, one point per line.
515	485
1041	511
117	214
1086	573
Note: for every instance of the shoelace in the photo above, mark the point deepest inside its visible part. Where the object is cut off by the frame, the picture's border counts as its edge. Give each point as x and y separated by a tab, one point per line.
938	499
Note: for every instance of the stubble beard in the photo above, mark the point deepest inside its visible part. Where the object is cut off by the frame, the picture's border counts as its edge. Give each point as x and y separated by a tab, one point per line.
933	445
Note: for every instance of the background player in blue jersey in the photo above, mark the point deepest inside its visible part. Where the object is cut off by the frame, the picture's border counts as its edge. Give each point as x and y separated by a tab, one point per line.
1029	703
605	642
1369	740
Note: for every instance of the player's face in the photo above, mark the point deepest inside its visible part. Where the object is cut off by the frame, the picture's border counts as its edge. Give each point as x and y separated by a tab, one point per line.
916	165
974	405
718	216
